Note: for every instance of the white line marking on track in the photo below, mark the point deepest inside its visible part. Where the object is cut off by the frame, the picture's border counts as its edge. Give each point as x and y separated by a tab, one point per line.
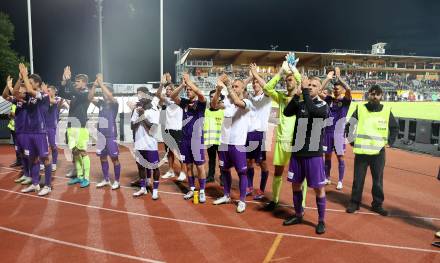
228	227
10	230
425	218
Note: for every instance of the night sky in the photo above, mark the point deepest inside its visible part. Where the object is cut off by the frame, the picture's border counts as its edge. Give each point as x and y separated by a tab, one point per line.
65	32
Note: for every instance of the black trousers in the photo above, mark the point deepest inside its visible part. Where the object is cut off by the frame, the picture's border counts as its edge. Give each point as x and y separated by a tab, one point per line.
212	155
377	164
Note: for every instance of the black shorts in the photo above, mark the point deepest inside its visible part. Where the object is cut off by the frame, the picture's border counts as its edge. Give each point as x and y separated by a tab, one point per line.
176	135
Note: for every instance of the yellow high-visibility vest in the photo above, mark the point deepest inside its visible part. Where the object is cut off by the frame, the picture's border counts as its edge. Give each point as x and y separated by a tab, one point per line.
11	124
372	130
212	126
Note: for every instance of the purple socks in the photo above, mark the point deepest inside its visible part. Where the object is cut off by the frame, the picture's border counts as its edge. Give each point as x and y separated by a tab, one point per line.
35	173
250	177
117	169
202	183
320	203
227	182
54	155
297	203
47	174
328	167
26	171
155	184
341	170
243	184
105	168
191	182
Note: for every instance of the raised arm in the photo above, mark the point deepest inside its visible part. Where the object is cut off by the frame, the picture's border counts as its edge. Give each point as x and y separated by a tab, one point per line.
24	73
329	77
313	109
66	82
218	90
346	86
8	90
92	91
194	88
175	94
16	89
104	88
254	74
163	82
248	79
236	100
269	88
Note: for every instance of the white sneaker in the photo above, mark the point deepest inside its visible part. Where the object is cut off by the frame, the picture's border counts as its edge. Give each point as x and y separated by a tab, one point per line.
54	167
142	191
41	167
46	190
222	200
31	188
169	174
103	183
71	173
115	185
181	177
241	207
26	181
202	197
155	195
339	186
189	195
21	179
328	182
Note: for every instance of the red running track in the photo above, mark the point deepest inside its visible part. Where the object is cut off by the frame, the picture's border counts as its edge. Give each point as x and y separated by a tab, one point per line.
101	225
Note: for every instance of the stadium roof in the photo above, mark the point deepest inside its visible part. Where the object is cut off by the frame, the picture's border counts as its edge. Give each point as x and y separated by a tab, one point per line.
274	57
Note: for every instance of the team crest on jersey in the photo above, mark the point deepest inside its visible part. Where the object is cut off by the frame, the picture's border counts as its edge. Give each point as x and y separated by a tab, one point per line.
340	104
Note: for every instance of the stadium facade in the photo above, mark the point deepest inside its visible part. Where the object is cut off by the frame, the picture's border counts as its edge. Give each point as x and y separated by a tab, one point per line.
395	73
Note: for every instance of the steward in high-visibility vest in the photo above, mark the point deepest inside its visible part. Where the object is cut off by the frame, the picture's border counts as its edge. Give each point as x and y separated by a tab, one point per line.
212	127
376	127
372	130
11	124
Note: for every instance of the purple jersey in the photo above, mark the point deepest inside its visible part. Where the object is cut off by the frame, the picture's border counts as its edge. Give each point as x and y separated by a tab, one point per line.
192	118
107	118
52	116
338	110
36	109
20	115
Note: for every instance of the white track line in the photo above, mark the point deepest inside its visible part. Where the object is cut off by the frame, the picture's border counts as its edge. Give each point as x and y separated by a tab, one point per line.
226	226
259	203
10	230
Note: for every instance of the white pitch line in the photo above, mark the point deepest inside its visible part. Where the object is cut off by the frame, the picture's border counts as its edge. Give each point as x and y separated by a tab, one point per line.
229	227
283	205
10	230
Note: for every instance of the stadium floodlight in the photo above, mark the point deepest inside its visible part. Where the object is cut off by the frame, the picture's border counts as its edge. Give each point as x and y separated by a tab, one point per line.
99	7
31	53
161	38
274	47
